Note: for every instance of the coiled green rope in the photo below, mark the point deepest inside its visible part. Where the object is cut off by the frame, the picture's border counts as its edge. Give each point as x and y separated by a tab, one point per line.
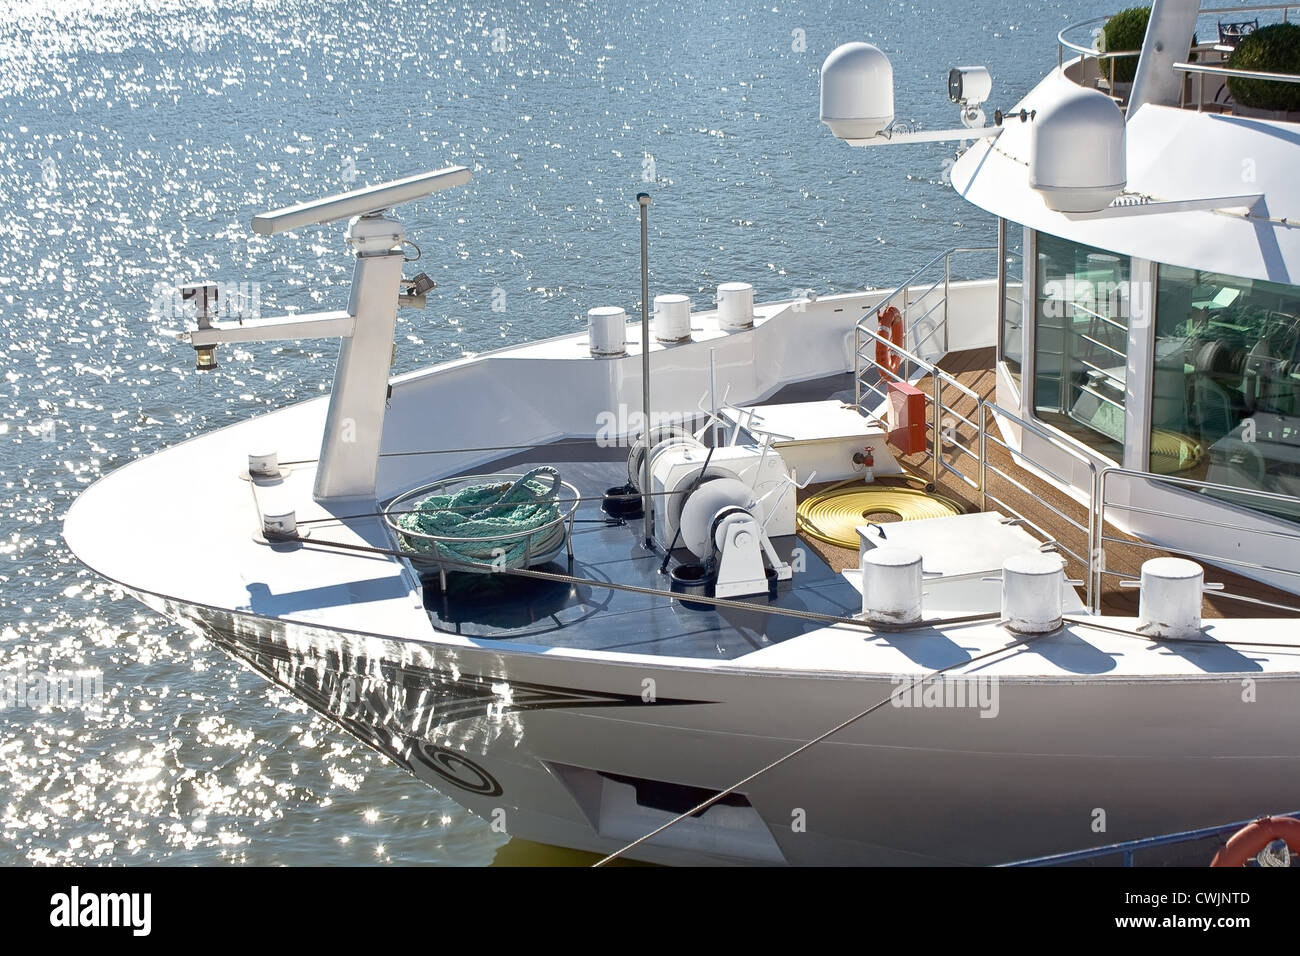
496	514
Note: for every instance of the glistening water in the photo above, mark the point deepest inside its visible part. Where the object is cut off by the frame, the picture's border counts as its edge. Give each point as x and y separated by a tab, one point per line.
137	140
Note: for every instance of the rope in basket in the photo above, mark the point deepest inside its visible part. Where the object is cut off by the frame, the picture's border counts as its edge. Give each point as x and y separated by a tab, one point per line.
499	515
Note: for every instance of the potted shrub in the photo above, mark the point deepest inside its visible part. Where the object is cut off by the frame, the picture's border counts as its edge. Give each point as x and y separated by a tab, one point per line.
1271	49
1124	31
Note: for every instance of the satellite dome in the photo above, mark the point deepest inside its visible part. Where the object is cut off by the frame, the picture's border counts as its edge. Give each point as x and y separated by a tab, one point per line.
1076	152
857	91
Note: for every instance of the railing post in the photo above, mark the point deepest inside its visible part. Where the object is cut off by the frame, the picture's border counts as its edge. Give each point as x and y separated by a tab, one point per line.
1096	534
983	477
907	311
947	279
857	364
937	443
1093	586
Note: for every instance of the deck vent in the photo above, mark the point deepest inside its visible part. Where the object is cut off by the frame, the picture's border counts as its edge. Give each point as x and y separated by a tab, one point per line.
736	306
1033	588
672	318
891	586
1077	161
857	91
1170	600
607	330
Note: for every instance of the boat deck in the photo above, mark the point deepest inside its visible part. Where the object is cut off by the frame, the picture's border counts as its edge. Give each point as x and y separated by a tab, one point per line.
509	608
975	370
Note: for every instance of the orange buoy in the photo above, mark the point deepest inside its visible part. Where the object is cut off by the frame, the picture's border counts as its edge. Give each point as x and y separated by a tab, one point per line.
1250	839
891	327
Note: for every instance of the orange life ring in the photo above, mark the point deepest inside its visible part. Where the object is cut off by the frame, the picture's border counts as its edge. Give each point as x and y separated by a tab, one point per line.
891	327
1249	840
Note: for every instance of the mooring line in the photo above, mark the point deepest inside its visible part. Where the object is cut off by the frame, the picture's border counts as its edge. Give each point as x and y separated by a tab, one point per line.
1025	639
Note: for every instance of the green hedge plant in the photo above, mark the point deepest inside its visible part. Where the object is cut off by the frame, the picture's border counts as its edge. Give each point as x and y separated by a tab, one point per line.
1124	31
1271	49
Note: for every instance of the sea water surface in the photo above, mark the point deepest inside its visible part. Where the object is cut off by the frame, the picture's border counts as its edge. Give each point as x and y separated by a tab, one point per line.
138	139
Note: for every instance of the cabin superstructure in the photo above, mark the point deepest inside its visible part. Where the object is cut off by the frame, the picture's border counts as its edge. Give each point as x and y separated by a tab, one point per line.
1159	336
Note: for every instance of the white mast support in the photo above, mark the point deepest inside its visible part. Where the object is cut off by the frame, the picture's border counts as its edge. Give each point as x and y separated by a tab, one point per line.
310	325
359	201
354	423
1122	208
1168	38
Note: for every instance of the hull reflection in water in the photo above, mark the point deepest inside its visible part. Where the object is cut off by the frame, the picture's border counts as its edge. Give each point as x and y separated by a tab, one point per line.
572	752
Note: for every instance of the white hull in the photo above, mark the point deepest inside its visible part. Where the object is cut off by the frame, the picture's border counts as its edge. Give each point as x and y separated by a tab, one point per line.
903	786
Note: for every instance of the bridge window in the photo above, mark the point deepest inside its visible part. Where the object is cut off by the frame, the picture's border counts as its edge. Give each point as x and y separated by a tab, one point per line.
1081	342
1226	389
1011	336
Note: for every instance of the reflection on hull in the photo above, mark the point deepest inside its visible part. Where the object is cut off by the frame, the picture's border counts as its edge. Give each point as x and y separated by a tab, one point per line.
602	763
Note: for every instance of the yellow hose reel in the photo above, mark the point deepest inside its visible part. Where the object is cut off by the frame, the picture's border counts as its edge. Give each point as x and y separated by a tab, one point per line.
835	514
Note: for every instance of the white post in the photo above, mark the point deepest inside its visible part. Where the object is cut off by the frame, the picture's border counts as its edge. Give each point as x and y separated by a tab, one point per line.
1033	586
354	424
891	585
1170	601
1168	38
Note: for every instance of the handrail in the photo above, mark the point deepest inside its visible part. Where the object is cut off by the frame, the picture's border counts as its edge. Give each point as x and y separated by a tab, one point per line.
1128	847
1091	52
1198	485
983	406
1094	520
1231	71
905	289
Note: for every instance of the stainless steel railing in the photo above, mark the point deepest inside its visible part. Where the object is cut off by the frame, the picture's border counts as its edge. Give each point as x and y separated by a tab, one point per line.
941	434
1189	516
872	379
1200	70
907	298
1096	504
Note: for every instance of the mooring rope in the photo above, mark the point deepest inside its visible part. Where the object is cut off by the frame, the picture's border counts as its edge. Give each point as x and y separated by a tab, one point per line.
1024	639
870	628
573	580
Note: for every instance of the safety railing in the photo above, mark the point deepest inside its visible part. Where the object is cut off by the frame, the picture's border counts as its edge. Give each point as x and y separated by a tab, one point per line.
1091	53
1191	516
1202	70
1128	848
913	296
941	435
942	418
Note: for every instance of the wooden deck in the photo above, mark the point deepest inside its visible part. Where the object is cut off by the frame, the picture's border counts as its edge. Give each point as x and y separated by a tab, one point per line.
975	370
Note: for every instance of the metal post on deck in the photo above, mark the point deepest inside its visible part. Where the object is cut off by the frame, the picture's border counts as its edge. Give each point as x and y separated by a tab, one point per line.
647	501
937	446
857	364
1096	536
983	479
947	279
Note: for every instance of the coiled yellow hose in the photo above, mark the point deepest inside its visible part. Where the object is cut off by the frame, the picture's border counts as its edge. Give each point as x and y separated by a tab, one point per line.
835	514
